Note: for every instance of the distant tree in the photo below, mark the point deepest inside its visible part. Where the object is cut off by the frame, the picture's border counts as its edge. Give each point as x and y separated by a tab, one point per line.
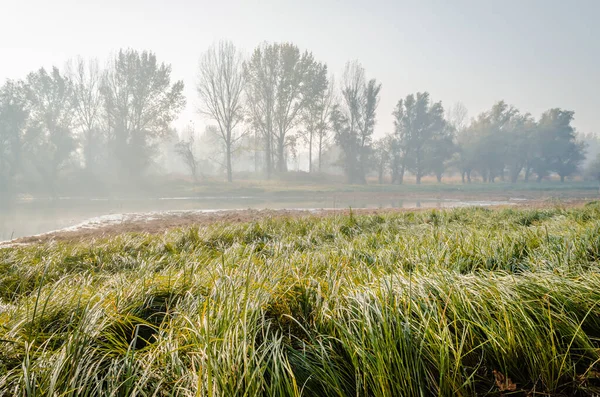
86	78
422	132
353	120
382	156
316	112
464	156
186	151
220	88
592	146
440	150
457	116
13	121
557	147
278	77
399	145
323	129
519	145
140	103
261	77
490	133
592	171
50	138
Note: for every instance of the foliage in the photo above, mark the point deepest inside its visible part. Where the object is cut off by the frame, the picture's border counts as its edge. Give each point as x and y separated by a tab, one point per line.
280	81
49	136
140	103
422	135
353	120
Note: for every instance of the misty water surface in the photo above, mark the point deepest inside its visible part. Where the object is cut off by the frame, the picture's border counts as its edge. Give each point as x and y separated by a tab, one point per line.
30	217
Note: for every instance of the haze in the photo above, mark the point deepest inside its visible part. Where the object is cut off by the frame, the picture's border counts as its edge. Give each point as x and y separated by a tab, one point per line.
119	107
534	54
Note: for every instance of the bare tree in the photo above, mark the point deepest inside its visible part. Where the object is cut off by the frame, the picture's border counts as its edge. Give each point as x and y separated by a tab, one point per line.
457	116
220	88
87	102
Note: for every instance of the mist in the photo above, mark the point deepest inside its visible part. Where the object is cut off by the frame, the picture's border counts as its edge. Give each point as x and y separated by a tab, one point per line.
267	124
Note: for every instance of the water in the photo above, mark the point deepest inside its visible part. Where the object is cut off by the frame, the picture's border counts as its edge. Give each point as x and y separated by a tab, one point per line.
36	216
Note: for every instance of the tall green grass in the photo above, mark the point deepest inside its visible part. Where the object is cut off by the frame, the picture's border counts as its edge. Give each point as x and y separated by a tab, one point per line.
451	303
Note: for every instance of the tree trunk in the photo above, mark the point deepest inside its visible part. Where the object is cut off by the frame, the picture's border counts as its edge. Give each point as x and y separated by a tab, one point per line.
281	163
401	178
469	176
418	178
562	179
229	170
310	139
439	177
462	176
320	157
255	152
268	156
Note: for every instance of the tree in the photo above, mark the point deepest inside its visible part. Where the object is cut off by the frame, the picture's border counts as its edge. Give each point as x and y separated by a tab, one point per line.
86	78
593	169
557	147
519	145
353	120
317	111
278	78
457	116
439	151
323	128
220	88
140	103
49	137
13	120
464	156
490	134
185	149
382	155
422	132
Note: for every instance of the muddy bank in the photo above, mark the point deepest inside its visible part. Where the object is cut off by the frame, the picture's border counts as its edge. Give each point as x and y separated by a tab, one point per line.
154	223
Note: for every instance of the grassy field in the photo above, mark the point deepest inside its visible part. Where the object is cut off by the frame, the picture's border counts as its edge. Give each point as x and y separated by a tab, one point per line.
452	303
313	186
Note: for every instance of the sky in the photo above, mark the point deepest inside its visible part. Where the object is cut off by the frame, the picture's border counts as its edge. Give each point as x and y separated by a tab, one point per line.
534	54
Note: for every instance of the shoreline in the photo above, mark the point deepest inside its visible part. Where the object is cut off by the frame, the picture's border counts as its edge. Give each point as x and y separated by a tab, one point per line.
156	222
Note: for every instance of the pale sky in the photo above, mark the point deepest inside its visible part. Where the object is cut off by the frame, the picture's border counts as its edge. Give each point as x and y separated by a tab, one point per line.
535	54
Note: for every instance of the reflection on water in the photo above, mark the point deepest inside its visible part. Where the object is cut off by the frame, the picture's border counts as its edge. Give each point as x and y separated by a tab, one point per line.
30	217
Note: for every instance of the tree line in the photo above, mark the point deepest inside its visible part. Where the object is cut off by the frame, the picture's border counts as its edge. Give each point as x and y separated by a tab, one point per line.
109	121
94	121
499	143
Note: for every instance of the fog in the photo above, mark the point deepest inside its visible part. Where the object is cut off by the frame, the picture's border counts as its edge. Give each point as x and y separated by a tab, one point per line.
200	106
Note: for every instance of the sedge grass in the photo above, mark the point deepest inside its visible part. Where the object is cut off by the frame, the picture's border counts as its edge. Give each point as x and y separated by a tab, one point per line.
460	302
